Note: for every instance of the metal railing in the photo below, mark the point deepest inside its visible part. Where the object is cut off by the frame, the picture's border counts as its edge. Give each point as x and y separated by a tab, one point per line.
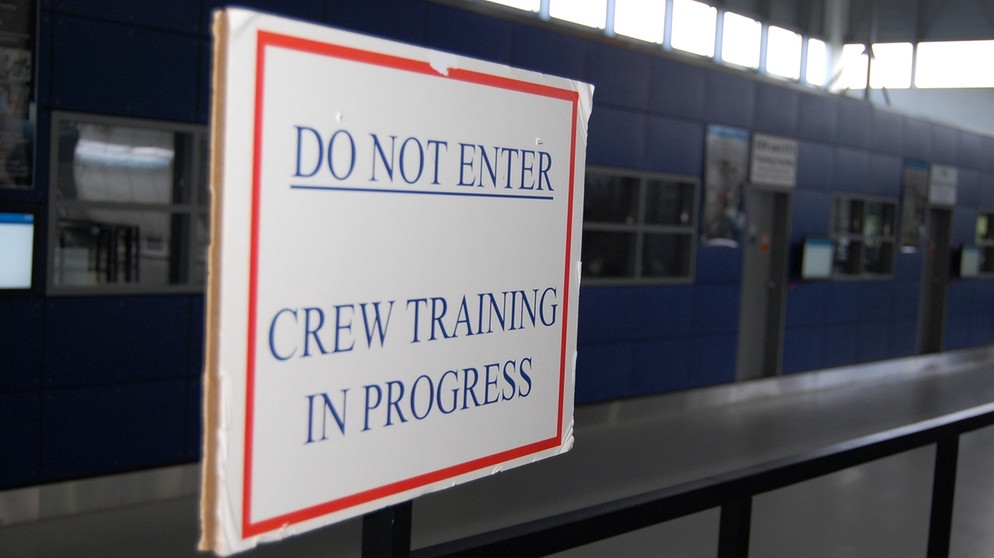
387	533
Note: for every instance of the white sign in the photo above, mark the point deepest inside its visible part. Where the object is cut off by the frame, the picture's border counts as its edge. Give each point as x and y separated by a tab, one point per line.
774	161
942	182
394	274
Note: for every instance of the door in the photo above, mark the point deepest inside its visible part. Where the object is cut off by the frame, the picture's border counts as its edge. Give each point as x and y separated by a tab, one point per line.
764	277
935	279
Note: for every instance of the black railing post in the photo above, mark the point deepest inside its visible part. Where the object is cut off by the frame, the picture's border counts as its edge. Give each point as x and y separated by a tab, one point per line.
943	492
733	532
386	533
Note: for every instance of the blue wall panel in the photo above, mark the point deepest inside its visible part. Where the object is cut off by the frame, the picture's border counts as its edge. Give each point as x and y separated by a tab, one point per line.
888	131
469	34
20	439
873	341
603	372
904	337
616	138
160	14
815	166
197	333
716	308
620	77
674	146
805	304
810	214
855	123
401	20
21	348
945	143
662	311
606	314
729	99
193	440
838	345
875	300
970	152
885	176
661	366
718	264
917	139
122	70
818	118
801	349
906	297
968	189
676	89
550	53
712	360
777	109
986	148
852	170
116	428
96	340
843	302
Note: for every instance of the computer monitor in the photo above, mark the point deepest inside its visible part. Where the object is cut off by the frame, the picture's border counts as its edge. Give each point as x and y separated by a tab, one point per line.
17	241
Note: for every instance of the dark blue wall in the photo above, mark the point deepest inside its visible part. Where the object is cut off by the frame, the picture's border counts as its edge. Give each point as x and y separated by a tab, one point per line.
96	385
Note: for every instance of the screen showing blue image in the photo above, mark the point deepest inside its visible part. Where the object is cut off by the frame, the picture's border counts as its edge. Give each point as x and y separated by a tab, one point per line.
17	232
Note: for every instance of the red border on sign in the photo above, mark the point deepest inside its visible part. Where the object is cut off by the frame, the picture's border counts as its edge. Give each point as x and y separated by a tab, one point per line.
266	40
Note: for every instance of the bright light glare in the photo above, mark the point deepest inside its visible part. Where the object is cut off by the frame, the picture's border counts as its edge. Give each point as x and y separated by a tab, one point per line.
853	67
592	13
783	53
694	27
955	64
740	40
530	5
817	70
640	19
891	65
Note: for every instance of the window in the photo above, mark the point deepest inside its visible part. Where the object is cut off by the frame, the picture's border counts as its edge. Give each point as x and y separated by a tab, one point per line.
694	27
530	5
863	233
591	13
954	64
891	66
783	53
817	66
640	19
985	241
854	64
638	227
129	209
740	40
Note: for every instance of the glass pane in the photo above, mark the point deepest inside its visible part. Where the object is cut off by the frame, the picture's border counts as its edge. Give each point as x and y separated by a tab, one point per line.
694	26
878	258
891	66
607	254
954	64
984	229
666	255
879	219
669	203
610	199
987	259
848	216
854	63
783	53
99	162
847	256
640	19
740	40
592	13
817	70
109	246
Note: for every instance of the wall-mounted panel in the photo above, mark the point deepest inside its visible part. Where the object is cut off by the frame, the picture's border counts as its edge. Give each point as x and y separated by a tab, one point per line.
873	341
729	99
917	139
401	20
663	311
193	428
662	365
801	349
838	346
888	131
716	308
620	77
777	109
674	146
842	303
970	153
120	70
604	372
20	439
96	340
469	34
102	430
21	344
550	53
676	88
810	215
606	314
818	118
855	123
852	170
945	144
616	138
160	14
718	265
885	175
712	360
815	166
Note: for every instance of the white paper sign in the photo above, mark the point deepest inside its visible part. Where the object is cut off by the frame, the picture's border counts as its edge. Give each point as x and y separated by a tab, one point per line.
774	161
394	274
942	183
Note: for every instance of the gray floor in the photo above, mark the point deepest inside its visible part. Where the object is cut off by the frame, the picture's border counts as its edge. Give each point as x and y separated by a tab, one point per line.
875	510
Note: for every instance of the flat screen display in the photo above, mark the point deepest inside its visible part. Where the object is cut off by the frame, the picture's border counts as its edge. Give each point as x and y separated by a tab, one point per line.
969	262
17	233
816	259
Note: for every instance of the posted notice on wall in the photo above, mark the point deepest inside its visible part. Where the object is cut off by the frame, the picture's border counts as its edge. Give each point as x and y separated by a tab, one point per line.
394	272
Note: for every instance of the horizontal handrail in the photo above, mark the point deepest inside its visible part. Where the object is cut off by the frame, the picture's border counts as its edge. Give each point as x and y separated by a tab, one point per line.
732	492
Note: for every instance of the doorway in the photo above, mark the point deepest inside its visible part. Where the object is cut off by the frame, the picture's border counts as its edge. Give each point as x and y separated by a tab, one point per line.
935	279
764	278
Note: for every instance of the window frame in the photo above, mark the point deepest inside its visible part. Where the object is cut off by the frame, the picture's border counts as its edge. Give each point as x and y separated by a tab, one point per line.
196	204
985	244
641	229
861	238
